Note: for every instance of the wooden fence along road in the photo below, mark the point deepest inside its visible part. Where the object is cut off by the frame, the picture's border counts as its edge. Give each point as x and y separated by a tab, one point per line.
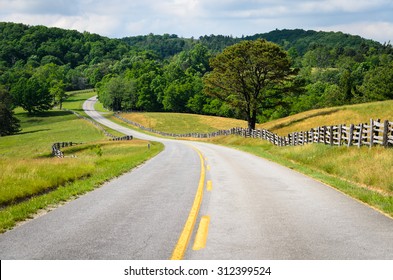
56	152
374	133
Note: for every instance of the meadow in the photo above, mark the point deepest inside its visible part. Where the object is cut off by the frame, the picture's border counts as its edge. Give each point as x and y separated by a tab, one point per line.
32	180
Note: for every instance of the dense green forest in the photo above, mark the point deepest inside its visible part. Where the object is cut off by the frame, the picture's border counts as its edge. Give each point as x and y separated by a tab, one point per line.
38	65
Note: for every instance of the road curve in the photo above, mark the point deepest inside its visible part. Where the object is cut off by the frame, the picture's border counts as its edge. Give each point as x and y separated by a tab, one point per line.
255	209
139	215
261	210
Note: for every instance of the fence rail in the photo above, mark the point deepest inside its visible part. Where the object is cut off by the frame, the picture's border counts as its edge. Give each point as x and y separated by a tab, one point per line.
56	152
364	134
100	127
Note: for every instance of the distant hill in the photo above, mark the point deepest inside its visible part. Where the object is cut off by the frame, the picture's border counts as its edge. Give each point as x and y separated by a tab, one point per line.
302	40
164	73
20	42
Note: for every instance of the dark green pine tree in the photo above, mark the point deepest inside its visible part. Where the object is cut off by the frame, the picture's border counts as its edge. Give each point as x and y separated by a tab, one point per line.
8	123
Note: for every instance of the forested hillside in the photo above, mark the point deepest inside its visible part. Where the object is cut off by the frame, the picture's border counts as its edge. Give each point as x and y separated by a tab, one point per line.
165	73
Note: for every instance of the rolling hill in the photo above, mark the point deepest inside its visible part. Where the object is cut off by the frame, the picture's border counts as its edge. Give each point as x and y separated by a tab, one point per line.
185	123
358	172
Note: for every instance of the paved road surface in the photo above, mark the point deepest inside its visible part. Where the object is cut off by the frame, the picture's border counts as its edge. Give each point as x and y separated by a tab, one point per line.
257	210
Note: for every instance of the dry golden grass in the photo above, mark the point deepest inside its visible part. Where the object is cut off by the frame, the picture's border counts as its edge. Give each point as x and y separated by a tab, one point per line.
183	123
351	114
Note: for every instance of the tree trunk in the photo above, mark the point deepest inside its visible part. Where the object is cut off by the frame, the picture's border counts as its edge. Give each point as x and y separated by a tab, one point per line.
252	120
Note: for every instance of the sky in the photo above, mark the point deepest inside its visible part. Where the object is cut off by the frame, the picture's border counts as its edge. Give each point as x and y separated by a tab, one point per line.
371	19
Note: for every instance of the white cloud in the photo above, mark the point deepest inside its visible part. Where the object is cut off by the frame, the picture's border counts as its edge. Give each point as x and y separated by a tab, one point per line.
119	18
379	31
180	8
351	6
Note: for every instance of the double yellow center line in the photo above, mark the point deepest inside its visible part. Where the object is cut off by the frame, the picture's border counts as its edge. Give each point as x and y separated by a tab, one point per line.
185	236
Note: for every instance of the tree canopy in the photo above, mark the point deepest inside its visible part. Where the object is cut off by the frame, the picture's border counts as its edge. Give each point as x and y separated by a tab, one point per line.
250	76
38	65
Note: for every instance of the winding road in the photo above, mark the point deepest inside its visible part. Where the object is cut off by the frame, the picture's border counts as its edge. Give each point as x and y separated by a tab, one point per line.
202	201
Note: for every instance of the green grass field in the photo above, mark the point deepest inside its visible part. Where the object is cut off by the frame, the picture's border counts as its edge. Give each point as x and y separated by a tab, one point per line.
31	179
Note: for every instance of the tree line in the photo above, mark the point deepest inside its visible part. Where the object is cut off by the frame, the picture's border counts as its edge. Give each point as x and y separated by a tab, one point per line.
38	65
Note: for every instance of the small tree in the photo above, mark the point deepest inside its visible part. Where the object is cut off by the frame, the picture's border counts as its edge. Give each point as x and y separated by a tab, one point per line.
8	123
250	76
57	90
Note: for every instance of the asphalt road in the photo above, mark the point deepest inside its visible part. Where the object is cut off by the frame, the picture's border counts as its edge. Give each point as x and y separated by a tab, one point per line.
255	209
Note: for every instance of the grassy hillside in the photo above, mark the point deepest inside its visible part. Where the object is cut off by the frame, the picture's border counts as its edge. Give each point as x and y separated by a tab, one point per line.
360	113
361	173
31	179
184	123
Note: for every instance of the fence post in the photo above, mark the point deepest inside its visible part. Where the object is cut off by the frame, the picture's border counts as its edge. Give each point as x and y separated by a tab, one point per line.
385	133
340	134
360	135
350	137
331	135
293	139
371	132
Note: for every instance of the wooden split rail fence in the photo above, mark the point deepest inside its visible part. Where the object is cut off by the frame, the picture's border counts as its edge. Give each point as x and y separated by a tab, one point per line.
100	127
371	134
56	152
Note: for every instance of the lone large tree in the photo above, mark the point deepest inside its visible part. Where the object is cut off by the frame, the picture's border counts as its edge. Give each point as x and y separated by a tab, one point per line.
250	76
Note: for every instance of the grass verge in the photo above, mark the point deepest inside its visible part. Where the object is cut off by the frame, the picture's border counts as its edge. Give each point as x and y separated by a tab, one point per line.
31	180
359	173
105	159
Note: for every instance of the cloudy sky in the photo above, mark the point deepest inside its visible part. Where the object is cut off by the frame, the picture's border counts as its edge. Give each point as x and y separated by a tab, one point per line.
372	19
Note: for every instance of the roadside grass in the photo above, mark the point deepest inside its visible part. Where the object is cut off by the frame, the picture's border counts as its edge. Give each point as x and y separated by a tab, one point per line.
105	160
28	177
364	173
185	123
31	180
